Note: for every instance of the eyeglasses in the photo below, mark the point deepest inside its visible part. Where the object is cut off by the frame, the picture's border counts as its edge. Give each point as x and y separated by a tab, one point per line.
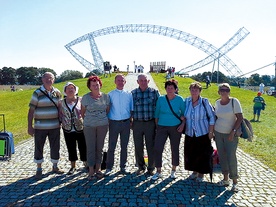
224	90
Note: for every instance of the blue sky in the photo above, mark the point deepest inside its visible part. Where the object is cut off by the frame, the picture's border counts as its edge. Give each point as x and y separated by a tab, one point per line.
34	32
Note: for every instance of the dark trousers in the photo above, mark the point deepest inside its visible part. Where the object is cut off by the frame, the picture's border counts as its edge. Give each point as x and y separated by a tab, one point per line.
162	133
197	154
144	132
117	128
72	140
54	141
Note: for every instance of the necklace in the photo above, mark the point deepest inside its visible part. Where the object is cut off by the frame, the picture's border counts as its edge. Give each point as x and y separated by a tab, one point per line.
193	102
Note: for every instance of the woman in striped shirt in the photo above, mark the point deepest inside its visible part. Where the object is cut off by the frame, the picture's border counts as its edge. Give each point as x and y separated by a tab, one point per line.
200	120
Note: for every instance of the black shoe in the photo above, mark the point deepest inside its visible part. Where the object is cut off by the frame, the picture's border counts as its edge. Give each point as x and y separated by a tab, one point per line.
140	172
38	175
123	171
150	173
71	171
56	170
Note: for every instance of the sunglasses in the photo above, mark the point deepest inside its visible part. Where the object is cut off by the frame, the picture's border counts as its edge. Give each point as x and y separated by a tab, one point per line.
224	90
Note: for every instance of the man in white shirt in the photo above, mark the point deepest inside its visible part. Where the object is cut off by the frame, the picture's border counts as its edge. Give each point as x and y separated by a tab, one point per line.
261	88
121	107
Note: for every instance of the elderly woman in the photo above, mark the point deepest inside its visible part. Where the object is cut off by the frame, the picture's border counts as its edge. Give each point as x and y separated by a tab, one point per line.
72	124
169	109
94	109
229	117
200	120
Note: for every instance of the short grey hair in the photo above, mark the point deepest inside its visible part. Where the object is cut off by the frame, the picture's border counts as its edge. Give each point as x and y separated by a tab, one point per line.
225	85
142	75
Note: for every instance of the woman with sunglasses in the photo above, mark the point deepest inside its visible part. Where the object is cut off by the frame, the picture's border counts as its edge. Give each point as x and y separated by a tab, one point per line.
229	117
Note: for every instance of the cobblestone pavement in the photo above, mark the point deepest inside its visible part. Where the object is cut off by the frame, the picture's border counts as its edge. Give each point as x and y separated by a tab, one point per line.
19	188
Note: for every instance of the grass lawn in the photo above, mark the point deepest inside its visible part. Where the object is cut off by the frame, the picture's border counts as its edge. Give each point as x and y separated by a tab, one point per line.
15	107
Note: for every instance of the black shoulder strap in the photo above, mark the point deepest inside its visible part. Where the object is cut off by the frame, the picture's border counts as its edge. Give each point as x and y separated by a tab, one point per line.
232	99
203	99
46	94
172	109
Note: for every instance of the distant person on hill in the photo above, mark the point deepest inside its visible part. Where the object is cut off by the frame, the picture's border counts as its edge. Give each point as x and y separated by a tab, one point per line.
208	82
44	112
229	117
72	125
12	88
261	89
259	103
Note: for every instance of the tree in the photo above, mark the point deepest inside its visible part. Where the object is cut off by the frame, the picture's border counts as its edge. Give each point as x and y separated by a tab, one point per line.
27	75
91	73
69	75
266	80
8	76
254	80
202	77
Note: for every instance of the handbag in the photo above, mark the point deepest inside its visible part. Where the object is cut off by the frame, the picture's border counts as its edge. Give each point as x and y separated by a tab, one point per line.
263	105
245	130
183	132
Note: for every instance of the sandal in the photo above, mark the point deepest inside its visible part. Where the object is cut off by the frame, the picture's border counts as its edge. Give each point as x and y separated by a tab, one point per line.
91	177
193	176
99	175
71	171
224	183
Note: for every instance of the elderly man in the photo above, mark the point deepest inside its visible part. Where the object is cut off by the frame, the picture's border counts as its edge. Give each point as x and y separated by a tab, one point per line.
43	121
121	106
144	100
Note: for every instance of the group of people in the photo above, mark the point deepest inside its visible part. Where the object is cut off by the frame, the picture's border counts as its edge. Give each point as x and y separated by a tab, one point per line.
153	118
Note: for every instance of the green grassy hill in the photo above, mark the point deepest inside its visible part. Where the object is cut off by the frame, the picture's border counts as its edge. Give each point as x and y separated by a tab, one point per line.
15	107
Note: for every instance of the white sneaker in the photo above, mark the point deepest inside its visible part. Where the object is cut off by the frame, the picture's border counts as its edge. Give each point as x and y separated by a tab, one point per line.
235	188
173	174
224	183
156	176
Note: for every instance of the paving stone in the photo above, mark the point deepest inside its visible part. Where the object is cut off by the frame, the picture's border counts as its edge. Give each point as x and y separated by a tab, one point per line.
19	188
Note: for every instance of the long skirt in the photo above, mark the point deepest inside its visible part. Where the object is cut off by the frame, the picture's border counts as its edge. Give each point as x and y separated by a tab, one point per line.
198	154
